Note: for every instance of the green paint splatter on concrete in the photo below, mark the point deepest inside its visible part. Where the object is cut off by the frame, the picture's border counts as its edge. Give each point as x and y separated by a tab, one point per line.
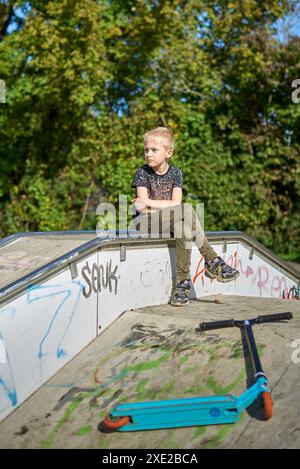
199	431
72	407
84	430
189	370
102	414
237	351
142	366
183	359
163	391
50	438
196	390
105	443
169	442
260	349
140	388
93	394
147	365
217	389
218	437
222	433
143	394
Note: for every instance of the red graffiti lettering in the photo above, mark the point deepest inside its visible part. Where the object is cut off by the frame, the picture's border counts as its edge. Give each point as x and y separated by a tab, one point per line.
198	273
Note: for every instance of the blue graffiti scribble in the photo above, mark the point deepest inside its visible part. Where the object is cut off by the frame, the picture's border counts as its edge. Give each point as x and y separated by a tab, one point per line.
61	289
8	382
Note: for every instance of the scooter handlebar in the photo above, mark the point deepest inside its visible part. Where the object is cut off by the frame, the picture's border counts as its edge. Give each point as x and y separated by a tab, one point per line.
208	326
274	317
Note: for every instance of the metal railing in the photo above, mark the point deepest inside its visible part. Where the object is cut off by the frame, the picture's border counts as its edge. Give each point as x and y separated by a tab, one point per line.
134	239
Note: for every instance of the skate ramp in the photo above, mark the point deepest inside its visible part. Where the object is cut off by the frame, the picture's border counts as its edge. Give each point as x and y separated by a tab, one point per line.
59	291
154	353
22	254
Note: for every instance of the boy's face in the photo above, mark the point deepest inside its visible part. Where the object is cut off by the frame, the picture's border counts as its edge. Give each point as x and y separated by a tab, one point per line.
156	152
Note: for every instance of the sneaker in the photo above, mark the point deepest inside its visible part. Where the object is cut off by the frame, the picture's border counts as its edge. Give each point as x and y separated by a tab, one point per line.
181	293
217	268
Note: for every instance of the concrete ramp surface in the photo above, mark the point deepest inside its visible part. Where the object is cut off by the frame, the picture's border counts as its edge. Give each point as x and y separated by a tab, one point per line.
154	354
88	326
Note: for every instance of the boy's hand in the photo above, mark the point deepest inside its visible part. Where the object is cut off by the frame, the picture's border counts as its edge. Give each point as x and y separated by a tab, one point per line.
140	204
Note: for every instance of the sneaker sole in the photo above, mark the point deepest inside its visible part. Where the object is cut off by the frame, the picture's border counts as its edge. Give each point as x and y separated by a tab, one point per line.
220	279
179	304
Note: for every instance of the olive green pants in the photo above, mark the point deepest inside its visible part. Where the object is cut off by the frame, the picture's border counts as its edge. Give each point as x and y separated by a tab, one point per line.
182	223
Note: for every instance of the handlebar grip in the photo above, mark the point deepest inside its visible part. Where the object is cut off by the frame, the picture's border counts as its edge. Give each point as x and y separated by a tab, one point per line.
274	317
208	326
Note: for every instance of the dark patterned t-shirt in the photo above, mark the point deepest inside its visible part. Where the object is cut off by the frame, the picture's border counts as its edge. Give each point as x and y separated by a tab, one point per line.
160	186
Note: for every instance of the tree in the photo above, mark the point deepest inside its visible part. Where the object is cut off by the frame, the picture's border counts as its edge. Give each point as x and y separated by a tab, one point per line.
86	79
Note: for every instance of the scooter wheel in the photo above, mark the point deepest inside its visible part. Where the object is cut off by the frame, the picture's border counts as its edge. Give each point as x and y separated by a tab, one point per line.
268	405
115	422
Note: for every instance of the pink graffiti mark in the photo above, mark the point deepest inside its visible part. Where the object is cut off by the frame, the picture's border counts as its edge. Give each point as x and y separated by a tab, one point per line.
278	286
261	279
247	272
236	263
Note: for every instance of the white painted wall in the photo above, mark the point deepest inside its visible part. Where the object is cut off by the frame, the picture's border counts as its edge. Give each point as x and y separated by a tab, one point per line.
50	323
144	279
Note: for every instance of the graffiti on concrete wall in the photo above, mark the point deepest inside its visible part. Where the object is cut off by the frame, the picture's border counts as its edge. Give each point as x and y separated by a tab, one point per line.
200	269
259	277
292	293
7	382
150	276
99	277
62	315
47	339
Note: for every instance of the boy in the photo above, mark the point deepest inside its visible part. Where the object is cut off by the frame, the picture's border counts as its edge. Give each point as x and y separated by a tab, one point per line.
158	188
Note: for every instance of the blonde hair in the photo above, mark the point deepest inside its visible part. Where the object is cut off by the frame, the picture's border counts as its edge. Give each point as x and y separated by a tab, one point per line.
162	133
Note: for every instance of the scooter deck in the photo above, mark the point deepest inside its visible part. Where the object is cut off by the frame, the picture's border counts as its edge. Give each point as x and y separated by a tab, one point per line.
179	413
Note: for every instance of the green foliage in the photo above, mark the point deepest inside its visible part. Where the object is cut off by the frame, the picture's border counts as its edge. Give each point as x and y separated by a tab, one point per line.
86	79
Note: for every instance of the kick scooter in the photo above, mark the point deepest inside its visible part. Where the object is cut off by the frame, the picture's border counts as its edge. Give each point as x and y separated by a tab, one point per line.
193	411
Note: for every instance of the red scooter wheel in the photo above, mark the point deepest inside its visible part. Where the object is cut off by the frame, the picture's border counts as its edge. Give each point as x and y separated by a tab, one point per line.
116	422
268	405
